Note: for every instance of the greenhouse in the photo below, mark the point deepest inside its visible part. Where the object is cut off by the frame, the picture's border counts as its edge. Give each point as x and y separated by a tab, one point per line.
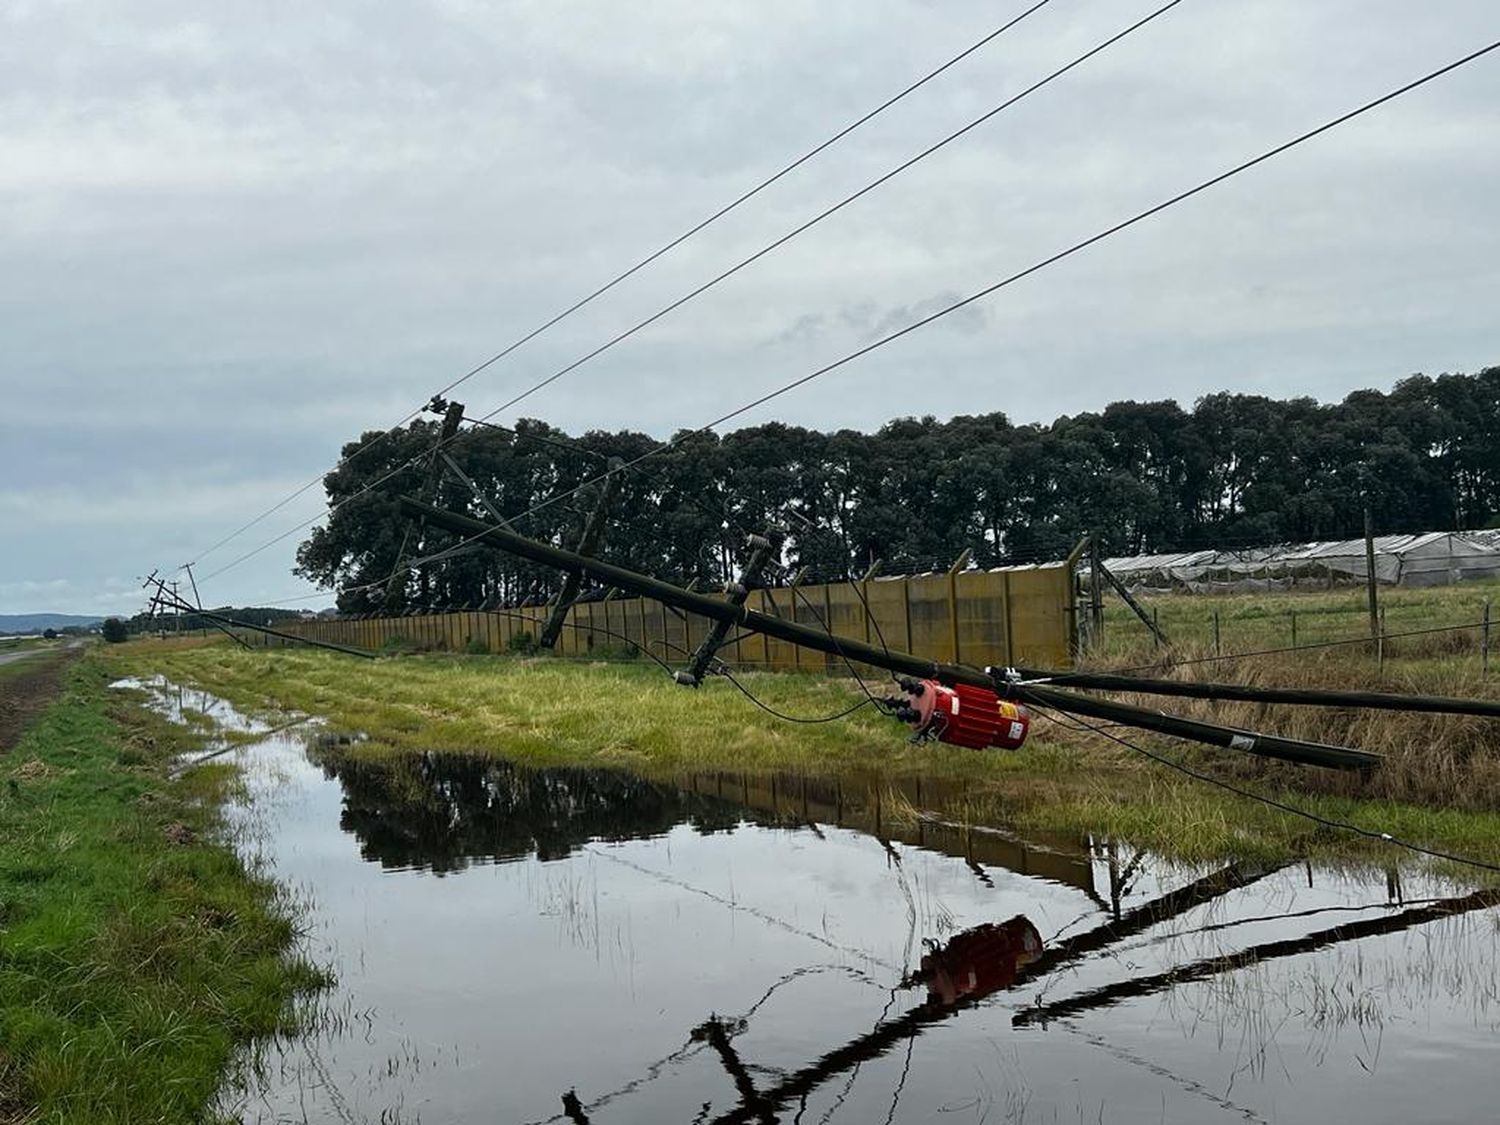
1433	558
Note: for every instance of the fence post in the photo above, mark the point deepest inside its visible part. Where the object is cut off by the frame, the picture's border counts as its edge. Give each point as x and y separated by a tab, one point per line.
1096	594
906	607
958	564
1484	641
1380	644
1294	628
1216	633
864	590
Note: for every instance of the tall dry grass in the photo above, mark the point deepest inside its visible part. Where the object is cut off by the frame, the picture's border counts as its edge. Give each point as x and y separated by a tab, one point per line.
1432	759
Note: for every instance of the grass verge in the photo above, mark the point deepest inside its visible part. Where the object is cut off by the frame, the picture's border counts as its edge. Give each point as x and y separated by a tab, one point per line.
555	712
135	949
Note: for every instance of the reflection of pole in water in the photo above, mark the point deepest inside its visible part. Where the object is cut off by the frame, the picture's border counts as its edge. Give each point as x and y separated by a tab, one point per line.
887	1035
1112	994
573	1108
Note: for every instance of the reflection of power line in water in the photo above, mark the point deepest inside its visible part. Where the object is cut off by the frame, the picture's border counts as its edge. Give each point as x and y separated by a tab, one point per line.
696	1042
1109	995
888	1035
796	1086
755	912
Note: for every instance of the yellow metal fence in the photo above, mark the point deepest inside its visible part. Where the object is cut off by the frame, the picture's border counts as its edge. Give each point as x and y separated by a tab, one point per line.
1023	616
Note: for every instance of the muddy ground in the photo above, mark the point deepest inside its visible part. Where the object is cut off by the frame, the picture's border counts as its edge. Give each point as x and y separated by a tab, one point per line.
26	688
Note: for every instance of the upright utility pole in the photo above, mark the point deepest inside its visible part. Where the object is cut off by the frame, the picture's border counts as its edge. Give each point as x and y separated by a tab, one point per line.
588	544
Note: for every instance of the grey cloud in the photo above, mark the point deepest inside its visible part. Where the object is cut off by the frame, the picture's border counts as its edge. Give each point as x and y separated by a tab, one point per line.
236	236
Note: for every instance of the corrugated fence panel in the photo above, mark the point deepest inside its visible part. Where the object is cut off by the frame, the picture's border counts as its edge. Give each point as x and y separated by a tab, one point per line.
983	618
1042	616
931	629
975	617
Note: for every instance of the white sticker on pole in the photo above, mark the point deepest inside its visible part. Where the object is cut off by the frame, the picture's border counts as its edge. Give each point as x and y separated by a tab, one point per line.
1241	742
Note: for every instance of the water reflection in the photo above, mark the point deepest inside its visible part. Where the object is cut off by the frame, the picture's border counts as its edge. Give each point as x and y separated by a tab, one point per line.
981	960
442	812
606	949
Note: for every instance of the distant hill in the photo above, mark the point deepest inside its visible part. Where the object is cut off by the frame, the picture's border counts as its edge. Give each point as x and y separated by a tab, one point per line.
36	622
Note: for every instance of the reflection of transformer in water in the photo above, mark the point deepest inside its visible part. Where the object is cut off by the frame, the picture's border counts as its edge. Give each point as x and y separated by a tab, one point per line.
978	961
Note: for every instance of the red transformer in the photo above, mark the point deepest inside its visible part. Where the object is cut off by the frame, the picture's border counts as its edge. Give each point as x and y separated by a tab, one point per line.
965	716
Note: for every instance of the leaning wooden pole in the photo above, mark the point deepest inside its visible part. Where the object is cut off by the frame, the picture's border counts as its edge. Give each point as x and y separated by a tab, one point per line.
588	543
821	640
763	549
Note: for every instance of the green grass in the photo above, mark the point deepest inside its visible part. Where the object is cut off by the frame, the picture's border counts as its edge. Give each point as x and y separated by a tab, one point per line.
135	950
548	711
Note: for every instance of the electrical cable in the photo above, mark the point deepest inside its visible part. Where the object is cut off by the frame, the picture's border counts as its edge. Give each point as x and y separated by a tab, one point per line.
978	295
797	592
873	620
1326	822
1035	267
834	208
646	261
743	263
766	707
642	649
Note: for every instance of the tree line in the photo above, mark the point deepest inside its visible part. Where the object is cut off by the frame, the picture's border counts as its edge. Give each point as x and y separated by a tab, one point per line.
1146	476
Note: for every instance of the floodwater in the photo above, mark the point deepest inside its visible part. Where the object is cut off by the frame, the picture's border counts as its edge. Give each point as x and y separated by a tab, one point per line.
517	945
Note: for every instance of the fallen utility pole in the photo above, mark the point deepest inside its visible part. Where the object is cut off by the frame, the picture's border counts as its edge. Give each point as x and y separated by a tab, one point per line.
588	543
161	592
1265	745
453	416
1245	693
763	548
479	494
219	618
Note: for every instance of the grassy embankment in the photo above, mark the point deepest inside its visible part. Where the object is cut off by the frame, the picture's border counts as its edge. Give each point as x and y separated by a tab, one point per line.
135	948
555	712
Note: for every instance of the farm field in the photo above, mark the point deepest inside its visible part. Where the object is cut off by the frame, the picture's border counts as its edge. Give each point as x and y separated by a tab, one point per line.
1246	622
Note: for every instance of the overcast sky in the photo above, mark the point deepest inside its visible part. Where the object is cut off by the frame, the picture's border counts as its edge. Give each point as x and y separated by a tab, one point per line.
236	235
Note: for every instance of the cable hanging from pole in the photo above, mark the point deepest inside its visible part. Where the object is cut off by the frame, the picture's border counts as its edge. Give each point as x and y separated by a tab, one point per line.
987	291
666	248
769	248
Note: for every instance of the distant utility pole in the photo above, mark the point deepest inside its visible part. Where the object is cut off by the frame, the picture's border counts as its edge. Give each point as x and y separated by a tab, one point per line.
197	601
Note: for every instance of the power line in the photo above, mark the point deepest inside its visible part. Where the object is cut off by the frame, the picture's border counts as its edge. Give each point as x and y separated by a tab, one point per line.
745	262
1036	267
1326	822
649	258
834	208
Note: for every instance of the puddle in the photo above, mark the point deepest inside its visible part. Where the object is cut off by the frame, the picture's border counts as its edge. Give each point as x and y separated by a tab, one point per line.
518	945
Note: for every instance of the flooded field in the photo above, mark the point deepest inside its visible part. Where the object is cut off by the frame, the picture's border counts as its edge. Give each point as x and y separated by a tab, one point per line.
519	945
